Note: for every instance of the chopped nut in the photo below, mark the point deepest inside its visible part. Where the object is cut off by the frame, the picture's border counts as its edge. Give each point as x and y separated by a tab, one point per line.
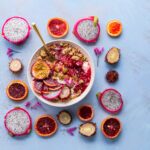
79	54
81	81
65	50
60	75
75	57
43	53
71	53
65	70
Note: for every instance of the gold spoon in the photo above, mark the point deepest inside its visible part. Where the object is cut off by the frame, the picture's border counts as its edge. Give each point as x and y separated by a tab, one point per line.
51	57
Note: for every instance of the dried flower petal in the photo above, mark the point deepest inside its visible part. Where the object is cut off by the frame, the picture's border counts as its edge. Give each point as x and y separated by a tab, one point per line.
98	52
28	104
10	52
71	130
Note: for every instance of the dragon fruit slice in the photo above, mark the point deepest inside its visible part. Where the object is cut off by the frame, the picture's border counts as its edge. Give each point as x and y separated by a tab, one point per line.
110	100
65	93
86	30
52	95
16	30
18	122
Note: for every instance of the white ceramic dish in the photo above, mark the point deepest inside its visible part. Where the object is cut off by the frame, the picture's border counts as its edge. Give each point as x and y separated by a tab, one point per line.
75	100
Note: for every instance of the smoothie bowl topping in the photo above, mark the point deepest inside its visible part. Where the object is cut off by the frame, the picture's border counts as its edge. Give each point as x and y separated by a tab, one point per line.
87	129
64	79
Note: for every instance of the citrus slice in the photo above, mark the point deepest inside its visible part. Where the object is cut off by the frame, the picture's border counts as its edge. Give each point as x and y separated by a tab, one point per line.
114	28
18	122
85	112
40	70
57	27
17	90
45	126
111	100
111	127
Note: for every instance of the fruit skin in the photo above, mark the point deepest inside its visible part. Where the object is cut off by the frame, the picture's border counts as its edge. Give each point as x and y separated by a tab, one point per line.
113	34
106	57
28	130
45	135
99	96
16	71
94	124
77	34
57	36
88	119
20	82
112	76
58	117
107	136
20	41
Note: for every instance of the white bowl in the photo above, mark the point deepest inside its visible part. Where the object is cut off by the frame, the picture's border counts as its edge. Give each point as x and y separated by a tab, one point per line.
75	100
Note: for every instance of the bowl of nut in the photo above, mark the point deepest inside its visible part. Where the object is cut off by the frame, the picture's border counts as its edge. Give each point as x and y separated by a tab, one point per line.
66	78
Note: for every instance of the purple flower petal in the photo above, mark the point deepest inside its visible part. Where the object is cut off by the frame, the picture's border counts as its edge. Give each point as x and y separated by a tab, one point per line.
71	130
27	104
10	54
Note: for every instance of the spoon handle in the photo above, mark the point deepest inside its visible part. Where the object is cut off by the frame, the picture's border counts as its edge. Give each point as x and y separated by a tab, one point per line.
39	35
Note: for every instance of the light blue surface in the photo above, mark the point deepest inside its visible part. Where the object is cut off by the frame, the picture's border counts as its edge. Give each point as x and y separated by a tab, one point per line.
133	69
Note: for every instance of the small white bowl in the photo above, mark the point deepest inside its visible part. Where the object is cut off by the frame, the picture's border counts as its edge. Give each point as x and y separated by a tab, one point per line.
75	100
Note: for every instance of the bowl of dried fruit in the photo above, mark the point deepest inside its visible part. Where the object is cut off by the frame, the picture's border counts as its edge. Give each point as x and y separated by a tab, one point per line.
62	75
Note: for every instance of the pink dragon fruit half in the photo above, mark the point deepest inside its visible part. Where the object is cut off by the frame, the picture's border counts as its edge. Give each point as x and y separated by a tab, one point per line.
18	122
16	30
86	31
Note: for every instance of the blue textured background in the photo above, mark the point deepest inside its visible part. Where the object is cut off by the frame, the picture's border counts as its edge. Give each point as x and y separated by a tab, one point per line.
133	69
